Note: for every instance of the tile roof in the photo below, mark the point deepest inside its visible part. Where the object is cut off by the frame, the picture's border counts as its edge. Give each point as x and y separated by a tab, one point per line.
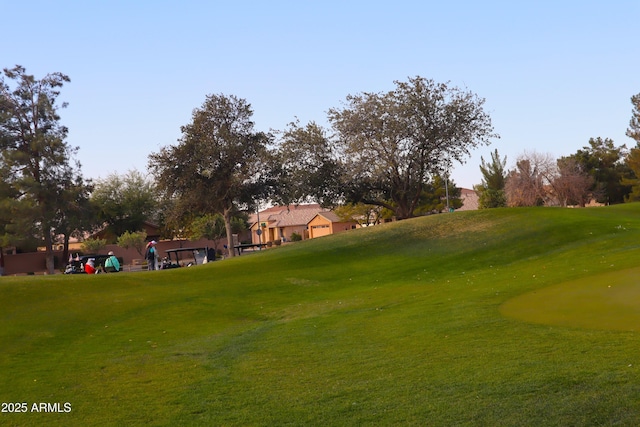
292	218
329	215
287	216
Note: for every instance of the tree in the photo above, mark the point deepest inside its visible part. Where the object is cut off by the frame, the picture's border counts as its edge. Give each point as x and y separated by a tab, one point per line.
308	169
633	131
633	163
572	183
526	184
208	226
34	156
76	215
212	227
364	215
219	164
434	197
8	214
93	246
633	157
603	161
136	240
491	190
125	202
393	143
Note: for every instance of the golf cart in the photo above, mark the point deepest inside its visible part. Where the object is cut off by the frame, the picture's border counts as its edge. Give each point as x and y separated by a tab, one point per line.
76	265
186	257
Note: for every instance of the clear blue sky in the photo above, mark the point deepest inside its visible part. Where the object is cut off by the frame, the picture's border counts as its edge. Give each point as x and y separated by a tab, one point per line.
553	73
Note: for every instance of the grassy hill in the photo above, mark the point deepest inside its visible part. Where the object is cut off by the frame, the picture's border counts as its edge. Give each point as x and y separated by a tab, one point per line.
498	317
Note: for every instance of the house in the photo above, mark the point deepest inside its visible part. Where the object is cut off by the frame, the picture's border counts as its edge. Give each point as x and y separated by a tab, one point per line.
326	223
469	200
278	223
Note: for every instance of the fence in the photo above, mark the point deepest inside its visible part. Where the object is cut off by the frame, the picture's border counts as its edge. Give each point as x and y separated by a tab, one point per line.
35	262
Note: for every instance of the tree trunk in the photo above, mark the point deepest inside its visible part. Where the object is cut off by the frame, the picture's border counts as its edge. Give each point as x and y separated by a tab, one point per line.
403	210
65	249
227	225
48	244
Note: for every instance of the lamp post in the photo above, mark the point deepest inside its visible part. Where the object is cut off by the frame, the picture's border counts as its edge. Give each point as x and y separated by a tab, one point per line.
259	231
446	190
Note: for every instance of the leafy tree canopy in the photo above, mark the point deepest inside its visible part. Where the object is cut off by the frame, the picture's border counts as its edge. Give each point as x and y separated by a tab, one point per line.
438	196
136	240
212	227
219	164
604	162
35	160
365	215
93	246
125	202
394	143
307	169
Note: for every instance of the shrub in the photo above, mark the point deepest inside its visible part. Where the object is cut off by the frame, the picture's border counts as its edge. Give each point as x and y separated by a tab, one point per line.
137	240
93	245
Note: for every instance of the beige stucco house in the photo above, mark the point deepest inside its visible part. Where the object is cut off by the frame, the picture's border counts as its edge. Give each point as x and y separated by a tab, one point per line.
278	223
326	223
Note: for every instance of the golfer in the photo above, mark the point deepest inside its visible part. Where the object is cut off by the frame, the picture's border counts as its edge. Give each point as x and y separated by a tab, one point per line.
151	255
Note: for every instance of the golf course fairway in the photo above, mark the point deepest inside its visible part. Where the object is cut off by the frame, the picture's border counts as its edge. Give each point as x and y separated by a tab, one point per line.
497	317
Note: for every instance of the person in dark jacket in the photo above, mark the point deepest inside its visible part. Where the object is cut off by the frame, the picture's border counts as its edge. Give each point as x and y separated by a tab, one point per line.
151	255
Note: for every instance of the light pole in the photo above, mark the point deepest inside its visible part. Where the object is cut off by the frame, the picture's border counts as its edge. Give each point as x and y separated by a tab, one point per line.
259	231
446	190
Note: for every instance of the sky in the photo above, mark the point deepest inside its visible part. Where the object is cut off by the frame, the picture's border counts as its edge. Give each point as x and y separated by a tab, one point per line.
553	74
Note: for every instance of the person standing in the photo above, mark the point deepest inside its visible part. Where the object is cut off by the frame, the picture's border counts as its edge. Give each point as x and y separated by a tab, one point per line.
151	255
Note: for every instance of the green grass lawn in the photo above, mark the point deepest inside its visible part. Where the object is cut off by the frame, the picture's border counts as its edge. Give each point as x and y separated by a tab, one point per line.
498	317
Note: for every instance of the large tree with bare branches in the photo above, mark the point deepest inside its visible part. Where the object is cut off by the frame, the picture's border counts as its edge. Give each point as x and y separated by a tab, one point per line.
571	185
527	184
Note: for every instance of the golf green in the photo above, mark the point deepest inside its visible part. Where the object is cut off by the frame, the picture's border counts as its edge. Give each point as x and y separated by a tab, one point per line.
609	301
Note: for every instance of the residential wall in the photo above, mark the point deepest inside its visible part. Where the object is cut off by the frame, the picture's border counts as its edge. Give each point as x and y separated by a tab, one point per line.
269	234
299	229
254	235
319	226
469	200
339	227
34	262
